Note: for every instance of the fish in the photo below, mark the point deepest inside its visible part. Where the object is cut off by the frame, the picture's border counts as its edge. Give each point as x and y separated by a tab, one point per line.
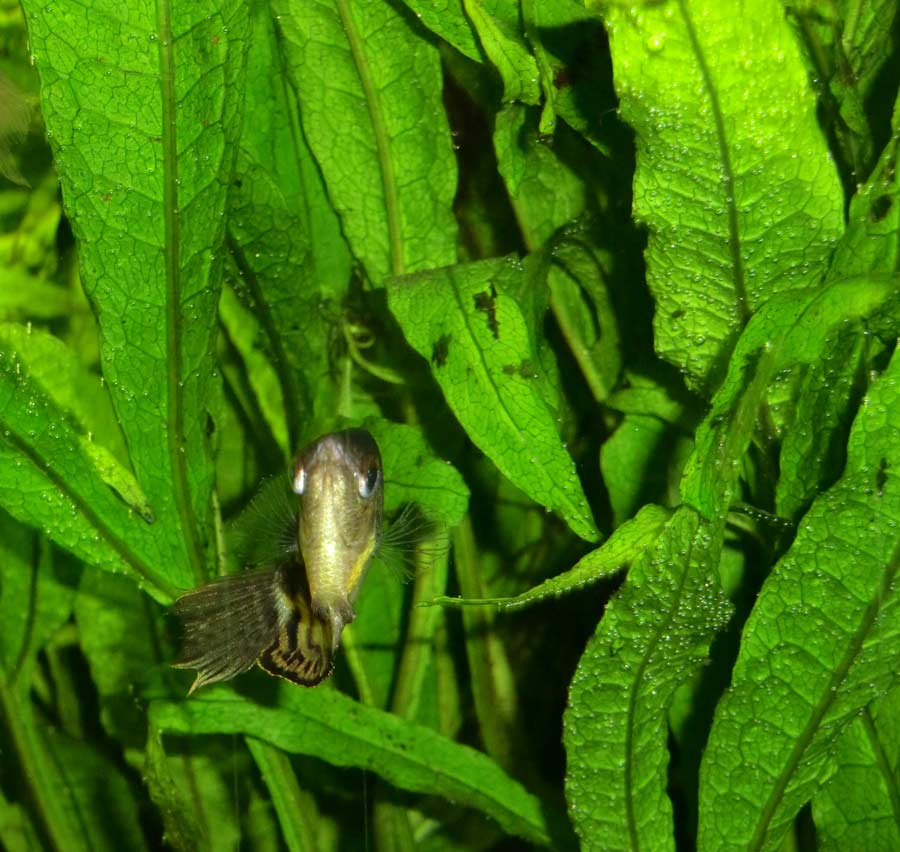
288	618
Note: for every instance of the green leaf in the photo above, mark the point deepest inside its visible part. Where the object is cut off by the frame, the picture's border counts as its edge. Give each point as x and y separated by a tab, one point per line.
47	481
121	637
244	333
812	451
413	474
498	28
578	277
193	794
384	149
447	19
794	328
36	594
856	808
654	636
52	797
58	371
848	43
17	833
817	647
161	88
284	236
734	181
296	808
625	545
870	245
483	356
544	191
90	777
333	727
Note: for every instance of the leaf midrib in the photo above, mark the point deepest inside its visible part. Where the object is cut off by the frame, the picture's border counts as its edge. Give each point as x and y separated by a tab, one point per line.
637	682
831	693
387	745
382	137
121	548
172	250
734	239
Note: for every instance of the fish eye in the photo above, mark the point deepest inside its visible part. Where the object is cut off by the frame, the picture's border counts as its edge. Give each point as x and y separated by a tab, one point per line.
299	483
367	485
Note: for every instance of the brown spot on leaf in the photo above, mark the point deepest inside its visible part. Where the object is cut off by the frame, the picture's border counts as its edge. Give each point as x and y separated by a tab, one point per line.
524	369
486	302
439	350
881	477
215	39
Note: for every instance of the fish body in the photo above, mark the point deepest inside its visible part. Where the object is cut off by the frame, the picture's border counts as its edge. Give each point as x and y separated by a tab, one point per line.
289	618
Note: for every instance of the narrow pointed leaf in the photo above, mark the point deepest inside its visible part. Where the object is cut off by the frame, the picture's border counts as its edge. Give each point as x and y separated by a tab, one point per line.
47	481
734	180
333	727
625	545
497	23
369	91
481	350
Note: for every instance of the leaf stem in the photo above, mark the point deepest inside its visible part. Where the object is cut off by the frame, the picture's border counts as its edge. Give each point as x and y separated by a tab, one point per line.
48	791
295	807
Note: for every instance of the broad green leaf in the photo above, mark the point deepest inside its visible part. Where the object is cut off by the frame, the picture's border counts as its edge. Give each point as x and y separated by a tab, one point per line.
447	18
819	645
463	320
284	236
326	724
498	28
794	328
734	181
625	545
370	104
654	636
162	89
47	481
856	808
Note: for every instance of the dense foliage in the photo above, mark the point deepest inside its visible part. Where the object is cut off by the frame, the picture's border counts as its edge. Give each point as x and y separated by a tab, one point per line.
614	287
